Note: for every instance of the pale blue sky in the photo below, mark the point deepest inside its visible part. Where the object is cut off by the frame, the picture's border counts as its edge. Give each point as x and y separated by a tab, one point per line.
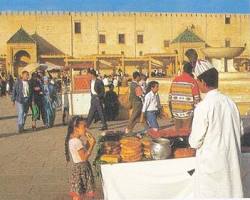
208	6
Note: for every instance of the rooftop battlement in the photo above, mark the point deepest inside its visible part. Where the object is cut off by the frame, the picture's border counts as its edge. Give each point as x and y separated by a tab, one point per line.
148	14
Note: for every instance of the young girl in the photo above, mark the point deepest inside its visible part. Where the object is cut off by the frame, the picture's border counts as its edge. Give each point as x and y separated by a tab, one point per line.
82	179
151	106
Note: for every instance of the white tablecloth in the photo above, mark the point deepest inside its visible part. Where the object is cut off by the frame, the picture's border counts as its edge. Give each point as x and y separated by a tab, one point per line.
161	179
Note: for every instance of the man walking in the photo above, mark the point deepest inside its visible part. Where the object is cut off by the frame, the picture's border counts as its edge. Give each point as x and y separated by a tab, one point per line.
216	133
135	99
21	98
97	98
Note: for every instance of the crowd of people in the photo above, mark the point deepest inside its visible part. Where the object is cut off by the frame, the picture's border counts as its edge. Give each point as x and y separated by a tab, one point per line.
6	84
39	94
214	122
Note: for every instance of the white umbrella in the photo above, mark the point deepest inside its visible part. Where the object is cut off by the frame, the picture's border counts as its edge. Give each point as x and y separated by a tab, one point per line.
52	66
32	67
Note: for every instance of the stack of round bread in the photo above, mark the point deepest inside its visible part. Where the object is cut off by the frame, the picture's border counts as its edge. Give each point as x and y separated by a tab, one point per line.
111	147
184	152
146	143
131	149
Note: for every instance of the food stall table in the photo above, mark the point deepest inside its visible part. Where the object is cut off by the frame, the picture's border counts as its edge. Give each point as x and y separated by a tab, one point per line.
161	179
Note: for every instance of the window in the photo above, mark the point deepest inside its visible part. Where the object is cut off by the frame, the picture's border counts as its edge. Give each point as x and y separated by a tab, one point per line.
77	27
102	38
122	52
103	52
227	43
141	53
121	38
140	39
166	43
227	20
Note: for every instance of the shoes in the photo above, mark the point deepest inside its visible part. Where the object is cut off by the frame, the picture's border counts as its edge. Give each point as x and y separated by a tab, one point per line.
20	129
103	128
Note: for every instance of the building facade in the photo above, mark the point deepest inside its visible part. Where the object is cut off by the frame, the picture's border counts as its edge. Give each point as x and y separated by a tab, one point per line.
74	35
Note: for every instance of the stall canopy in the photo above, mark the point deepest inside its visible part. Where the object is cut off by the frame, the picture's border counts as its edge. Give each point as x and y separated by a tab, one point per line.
32	67
42	66
53	67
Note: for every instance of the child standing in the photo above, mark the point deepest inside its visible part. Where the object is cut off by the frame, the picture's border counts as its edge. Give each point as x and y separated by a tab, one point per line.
82	179
151	106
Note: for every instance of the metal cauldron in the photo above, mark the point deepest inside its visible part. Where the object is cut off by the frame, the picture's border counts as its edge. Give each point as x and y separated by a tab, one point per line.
161	148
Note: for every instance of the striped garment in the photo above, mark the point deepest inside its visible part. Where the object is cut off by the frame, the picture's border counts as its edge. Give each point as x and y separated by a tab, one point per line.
183	96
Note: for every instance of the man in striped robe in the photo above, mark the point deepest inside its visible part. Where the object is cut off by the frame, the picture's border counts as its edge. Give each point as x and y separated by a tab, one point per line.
183	96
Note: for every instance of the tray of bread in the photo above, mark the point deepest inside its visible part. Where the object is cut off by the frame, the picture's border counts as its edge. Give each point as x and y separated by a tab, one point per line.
183	152
117	147
131	149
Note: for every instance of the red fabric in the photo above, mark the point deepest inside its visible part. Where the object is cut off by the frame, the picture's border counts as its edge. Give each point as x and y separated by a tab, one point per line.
74	194
91	194
185	77
169	132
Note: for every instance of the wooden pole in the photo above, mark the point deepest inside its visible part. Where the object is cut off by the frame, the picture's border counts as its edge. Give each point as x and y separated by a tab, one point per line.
95	63
71	92
175	64
123	64
149	67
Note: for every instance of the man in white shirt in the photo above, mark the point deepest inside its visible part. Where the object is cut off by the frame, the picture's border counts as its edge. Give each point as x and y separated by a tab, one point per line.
97	98
216	133
105	81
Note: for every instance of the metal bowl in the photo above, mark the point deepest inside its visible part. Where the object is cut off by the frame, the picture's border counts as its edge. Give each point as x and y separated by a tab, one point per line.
161	148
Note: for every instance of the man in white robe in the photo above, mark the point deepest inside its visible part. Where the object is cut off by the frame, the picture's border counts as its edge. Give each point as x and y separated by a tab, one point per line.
216	132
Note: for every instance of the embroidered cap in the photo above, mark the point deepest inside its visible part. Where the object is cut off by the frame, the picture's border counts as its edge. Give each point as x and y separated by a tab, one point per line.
201	67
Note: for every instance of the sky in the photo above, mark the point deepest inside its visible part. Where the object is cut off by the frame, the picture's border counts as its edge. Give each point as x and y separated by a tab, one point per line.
199	6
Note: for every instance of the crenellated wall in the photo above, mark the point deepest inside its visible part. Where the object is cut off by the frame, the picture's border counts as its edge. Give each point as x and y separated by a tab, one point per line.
58	29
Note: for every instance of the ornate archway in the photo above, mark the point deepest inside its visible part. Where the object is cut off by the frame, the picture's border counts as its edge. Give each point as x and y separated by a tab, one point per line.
21	50
21	59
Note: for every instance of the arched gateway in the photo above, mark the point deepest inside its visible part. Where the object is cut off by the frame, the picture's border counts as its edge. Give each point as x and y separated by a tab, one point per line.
21	50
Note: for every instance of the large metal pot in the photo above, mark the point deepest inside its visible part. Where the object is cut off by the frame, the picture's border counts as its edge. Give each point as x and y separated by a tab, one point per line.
161	148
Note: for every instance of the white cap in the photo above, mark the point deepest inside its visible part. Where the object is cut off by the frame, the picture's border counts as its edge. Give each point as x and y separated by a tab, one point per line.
201	67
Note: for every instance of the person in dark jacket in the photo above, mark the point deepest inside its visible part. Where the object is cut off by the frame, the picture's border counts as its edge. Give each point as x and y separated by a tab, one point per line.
11	83
97	100
36	99
21	98
111	103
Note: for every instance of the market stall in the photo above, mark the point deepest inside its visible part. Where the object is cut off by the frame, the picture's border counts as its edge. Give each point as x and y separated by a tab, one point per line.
151	165
161	179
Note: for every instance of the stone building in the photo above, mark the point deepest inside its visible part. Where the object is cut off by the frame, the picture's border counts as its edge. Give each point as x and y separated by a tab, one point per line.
110	41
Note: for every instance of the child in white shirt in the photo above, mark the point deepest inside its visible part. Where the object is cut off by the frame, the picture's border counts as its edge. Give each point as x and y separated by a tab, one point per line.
151	106
82	179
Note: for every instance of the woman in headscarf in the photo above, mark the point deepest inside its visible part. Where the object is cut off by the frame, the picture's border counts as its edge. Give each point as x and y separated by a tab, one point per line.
49	102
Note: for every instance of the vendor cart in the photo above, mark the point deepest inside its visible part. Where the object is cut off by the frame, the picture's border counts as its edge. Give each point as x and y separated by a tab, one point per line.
78	94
